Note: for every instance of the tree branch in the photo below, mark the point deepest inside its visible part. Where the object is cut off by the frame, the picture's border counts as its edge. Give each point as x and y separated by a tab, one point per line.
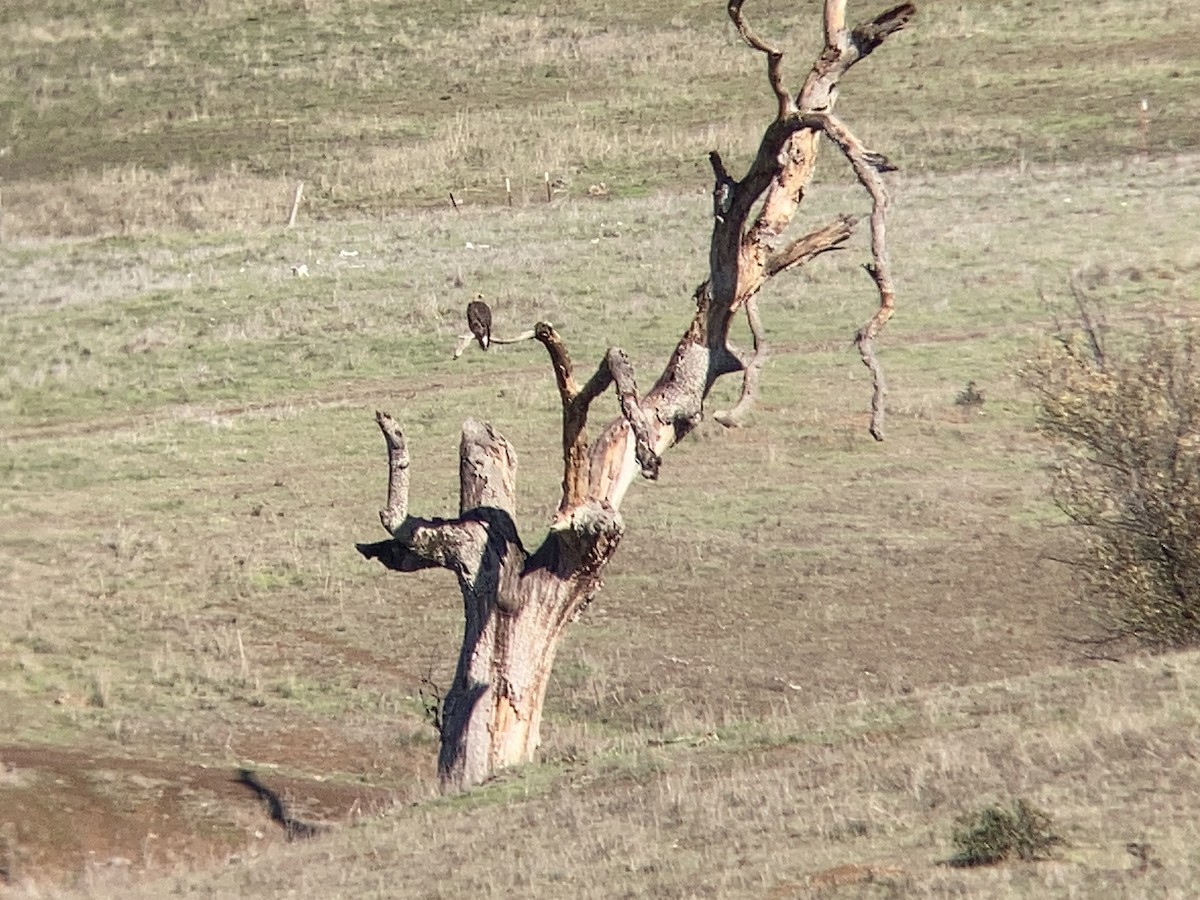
487	485
866	36
718	166
395	556
786	105
733	418
622	373
723	188
597	384
416	543
868	166
576	401
422	544
834	18
575	412
845	48
487	470
397	491
465	340
822	240
787	157
560	359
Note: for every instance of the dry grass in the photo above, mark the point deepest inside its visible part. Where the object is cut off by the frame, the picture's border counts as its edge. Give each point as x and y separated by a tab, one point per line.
137	121
179	573
836	800
812	654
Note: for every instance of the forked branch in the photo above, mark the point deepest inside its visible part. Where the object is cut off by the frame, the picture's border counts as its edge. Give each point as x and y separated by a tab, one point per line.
615	369
844	48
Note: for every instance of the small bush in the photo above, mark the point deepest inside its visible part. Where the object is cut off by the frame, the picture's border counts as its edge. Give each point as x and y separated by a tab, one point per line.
1128	474
994	834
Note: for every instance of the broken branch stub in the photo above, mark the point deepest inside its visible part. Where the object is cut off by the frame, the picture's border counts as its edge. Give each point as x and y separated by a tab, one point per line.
396	510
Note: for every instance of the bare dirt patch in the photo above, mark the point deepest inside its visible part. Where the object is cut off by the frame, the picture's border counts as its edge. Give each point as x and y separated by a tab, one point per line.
65	812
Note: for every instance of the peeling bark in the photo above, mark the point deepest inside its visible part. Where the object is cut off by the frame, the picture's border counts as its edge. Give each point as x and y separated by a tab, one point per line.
517	604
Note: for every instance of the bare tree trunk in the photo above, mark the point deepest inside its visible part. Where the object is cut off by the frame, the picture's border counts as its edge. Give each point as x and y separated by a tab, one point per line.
517	604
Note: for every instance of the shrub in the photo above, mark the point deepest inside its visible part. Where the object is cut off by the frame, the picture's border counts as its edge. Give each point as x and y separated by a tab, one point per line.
994	834
1128	474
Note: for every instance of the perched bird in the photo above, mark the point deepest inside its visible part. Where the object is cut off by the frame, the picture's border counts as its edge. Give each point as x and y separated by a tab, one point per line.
479	320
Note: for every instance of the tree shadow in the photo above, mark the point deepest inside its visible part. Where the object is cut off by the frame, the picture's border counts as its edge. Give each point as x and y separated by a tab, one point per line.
294	829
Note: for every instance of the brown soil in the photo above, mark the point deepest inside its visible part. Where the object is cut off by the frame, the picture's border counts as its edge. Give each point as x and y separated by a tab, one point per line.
63	813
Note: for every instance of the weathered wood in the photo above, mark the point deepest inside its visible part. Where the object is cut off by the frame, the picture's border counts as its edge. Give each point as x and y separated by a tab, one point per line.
574	423
783	96
868	167
517	604
465	340
397	492
733	418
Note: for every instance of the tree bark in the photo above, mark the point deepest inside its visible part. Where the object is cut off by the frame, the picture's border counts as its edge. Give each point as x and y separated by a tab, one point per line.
517	604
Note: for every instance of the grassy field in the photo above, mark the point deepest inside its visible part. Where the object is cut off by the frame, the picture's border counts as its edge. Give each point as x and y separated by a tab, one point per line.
812	653
123	120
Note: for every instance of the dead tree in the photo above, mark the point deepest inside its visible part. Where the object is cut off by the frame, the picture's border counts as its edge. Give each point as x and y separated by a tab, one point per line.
517	602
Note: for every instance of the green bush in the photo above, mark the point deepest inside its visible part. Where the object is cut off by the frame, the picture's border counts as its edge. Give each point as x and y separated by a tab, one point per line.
1127	426
994	834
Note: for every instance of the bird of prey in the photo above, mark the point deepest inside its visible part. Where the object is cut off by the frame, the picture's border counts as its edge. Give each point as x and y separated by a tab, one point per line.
479	320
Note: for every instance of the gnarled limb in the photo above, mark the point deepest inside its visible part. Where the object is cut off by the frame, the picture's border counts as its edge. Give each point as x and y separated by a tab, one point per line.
822	240
787	156
783	168
733	418
866	36
622	373
425	544
415	543
845	48
723	188
575	413
774	59
868	166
